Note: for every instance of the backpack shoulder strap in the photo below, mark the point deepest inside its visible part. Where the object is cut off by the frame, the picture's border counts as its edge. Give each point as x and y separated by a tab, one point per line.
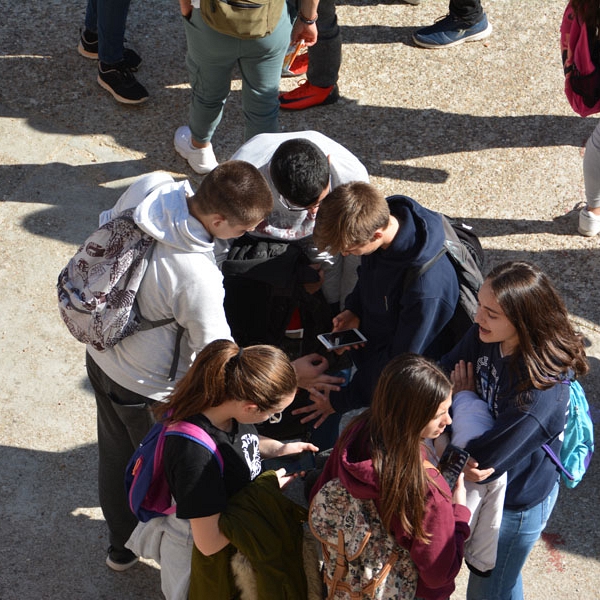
415	273
198	435
552	455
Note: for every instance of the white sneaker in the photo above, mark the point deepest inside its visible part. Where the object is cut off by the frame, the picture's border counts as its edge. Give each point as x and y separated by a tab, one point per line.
202	160
589	223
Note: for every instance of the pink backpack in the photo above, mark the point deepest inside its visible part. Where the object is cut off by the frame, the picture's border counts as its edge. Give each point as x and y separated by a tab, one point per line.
145	480
582	77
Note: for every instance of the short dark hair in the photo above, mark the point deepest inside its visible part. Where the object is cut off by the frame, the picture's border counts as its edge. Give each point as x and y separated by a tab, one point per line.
300	171
237	191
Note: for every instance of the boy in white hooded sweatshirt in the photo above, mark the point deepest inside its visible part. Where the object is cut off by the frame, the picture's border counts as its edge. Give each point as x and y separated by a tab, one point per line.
182	282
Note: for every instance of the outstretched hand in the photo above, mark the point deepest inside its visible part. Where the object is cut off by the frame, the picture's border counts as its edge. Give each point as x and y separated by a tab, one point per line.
319	410
295	448
462	377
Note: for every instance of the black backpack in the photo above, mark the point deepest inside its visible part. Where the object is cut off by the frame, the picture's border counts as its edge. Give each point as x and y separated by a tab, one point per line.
467	257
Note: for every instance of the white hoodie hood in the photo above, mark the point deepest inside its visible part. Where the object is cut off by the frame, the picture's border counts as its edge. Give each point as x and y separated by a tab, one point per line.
162	212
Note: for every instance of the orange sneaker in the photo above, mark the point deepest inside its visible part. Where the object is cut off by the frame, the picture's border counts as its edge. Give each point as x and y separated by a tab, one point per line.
298	67
307	95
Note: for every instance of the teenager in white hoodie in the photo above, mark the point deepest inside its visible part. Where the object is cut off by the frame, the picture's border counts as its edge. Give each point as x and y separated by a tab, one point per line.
182	282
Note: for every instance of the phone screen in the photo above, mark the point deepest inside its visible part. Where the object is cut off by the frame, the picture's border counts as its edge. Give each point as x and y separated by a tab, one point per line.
292	463
452	463
339	339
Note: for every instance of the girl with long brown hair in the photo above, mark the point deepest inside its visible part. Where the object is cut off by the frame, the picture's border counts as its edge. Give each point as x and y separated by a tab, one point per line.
383	454
519	357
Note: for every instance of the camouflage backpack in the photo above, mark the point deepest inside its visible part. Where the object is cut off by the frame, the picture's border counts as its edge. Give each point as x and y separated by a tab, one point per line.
361	559
97	289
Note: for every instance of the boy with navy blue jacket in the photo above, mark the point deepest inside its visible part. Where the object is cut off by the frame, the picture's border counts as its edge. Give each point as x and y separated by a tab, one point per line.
396	312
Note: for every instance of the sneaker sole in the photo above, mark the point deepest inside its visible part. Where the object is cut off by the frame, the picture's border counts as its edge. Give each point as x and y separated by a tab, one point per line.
120	567
587	232
476	37
86	53
116	96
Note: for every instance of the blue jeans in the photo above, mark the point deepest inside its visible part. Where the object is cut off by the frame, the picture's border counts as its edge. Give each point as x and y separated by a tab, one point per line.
211	57
519	532
107	18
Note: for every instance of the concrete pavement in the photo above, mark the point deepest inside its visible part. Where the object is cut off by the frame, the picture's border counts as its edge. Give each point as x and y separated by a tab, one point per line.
482	131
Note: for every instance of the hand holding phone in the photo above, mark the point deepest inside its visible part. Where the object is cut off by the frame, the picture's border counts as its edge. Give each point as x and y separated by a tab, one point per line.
341	339
452	462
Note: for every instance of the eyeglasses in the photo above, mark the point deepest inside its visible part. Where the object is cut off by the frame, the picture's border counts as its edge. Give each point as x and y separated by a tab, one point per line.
294	208
313	206
275	418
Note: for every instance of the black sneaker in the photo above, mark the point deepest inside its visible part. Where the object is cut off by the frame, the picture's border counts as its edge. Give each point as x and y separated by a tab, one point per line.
88	44
120	560
121	83
88	47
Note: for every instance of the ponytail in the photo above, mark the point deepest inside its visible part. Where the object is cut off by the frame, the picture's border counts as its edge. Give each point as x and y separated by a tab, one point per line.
224	371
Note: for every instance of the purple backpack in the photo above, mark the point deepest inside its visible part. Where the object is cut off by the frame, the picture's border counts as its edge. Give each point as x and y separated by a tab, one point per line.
147	488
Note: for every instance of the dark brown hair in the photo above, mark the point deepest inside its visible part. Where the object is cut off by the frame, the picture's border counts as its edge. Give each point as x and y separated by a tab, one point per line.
300	171
548	344
223	371
408	394
349	216
588	12
235	190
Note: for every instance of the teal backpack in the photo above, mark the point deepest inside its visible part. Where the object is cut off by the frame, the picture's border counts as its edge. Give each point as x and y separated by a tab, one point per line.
578	443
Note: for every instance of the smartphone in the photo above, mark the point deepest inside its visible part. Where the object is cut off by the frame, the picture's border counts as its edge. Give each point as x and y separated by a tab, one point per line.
292	463
290	55
341	339
452	462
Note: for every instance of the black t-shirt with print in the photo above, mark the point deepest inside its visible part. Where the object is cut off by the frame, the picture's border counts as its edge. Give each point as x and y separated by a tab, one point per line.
193	472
